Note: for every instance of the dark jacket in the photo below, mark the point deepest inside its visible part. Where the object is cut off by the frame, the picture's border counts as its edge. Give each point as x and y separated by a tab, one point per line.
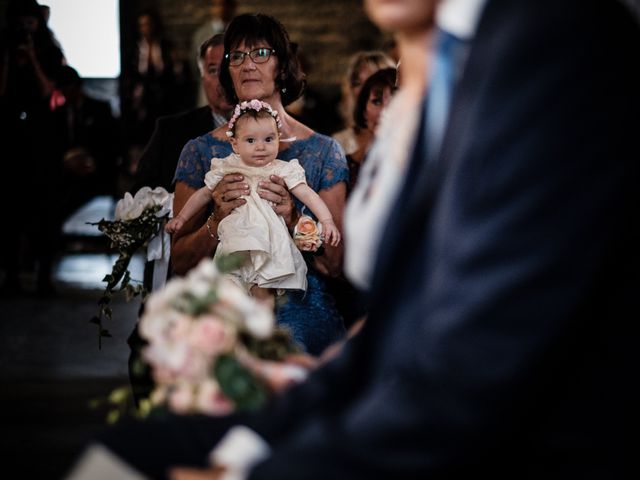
157	164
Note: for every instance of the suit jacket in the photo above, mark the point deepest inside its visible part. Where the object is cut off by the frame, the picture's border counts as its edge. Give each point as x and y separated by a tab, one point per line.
91	126
498	341
158	162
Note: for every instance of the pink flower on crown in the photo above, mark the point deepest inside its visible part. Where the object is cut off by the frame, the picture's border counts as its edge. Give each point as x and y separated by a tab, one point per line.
256	105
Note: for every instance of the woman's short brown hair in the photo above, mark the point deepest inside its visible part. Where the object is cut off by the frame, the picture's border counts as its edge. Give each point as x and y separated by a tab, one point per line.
252	29
378	81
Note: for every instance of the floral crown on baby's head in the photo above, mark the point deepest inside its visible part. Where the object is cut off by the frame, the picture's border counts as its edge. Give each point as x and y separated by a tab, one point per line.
244	107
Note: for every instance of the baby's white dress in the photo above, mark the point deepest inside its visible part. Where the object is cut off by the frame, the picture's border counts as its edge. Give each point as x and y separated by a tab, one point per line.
273	259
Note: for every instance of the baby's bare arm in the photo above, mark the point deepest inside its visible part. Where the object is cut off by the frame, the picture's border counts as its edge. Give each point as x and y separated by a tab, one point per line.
196	202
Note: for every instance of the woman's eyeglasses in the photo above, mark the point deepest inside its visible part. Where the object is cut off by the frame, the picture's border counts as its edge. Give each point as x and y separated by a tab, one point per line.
258	55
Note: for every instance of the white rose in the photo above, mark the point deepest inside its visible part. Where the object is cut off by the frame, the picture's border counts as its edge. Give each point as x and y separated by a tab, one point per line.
197	286
128	208
144	197
259	321
159	196
255	317
206	270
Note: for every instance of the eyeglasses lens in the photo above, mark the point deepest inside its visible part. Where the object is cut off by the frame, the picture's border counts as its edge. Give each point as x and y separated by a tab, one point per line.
258	55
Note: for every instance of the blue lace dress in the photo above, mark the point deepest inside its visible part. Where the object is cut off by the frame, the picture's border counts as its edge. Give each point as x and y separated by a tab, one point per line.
311	316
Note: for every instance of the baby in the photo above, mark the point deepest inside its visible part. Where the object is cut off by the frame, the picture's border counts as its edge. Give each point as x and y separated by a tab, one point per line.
273	261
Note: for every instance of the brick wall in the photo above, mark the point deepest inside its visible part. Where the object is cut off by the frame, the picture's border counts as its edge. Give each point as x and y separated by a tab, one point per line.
328	31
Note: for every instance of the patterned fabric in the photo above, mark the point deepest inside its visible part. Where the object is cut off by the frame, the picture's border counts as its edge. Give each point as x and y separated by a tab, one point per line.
312	315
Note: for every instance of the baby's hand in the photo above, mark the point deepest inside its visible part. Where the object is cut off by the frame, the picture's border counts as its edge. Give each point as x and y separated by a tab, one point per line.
174	225
330	232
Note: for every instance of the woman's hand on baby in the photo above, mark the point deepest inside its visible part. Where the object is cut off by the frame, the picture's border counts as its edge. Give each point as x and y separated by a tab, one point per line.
330	232
276	192
227	195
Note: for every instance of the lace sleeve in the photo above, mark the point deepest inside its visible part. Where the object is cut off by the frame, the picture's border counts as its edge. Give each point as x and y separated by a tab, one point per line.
195	159
323	161
335	167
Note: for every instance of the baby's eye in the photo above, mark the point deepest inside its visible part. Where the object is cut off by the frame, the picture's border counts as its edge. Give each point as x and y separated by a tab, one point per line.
268	139
250	140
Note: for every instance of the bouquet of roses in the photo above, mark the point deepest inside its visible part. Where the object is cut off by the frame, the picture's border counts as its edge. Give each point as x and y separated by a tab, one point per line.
137	220
209	342
307	234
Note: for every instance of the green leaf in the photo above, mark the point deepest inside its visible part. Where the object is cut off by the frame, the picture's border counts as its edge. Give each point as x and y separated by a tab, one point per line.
119	395
237	383
127	237
138	367
276	347
230	262
113	416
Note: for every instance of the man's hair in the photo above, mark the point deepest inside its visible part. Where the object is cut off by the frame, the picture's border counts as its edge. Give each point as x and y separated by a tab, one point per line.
214	41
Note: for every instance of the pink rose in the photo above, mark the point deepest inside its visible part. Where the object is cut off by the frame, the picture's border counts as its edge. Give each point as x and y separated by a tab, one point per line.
210	336
211	400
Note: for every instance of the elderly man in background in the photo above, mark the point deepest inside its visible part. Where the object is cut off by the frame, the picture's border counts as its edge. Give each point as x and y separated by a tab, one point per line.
158	161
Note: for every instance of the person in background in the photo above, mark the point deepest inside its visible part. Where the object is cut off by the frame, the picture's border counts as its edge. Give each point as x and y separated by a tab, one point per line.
87	139
261	64
220	14
30	60
158	161
373	98
361	65
499	341
46	15
148	80
375	95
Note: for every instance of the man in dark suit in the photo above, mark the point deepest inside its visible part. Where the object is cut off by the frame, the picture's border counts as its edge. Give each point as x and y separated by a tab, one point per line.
158	162
499	341
87	141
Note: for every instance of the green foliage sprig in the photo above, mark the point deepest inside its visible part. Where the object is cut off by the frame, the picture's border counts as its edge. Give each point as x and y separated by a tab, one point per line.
127	237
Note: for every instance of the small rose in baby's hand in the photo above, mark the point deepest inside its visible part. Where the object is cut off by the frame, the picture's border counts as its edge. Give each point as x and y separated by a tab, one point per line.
307	234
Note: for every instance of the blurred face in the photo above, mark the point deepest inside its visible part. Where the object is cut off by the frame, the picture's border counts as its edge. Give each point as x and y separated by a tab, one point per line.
29	23
358	79
255	80
256	140
211	84
378	100
401	16
145	26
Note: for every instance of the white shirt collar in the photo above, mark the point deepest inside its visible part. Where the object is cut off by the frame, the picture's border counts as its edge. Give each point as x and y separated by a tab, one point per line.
459	17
